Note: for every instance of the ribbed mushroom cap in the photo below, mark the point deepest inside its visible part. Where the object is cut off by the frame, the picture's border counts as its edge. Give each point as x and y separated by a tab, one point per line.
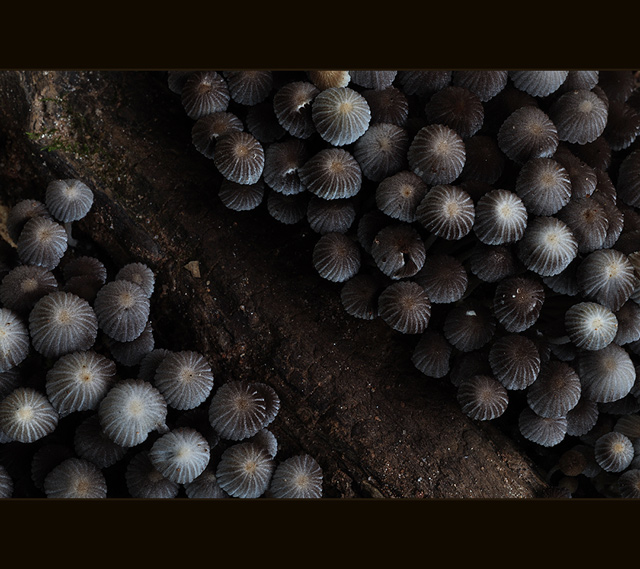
618	84
389	105
500	217
400	194
203	93
267	440
538	83
443	278
330	216
580	79
241	197
205	486
527	133
26	415
544	186
371	79
446	211
297	477
336	257
517	302
208	129
590	325
588	221
405	307
515	361
582	418
60	323
249	86
614	452
122	309
287	209
608	277
144	481
332	173
292	105
130	411
75	478
580	116
180	455
492	263
398	250
341	115
629	483
548	246
628	323
238	410
282	163
544	431
482	397
42	242
176	79
583	177
607	375
184	379
84	265
325	79
78	381
359	296
437	154
14	339
91	444
458	108
484	83
623	125
22	212
239	157
432	354
381	151
9	380
245	470
469	326
68	200
140	274
556	390
628	425
271	401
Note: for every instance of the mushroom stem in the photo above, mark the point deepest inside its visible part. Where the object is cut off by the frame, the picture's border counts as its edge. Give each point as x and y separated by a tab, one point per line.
71	241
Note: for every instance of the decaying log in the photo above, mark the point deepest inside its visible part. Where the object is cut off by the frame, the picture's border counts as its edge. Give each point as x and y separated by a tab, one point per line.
240	288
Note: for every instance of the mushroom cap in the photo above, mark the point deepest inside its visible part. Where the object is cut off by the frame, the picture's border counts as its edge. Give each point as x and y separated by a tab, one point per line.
580	116
590	325
372	79
381	151
332	173
68	200
14	340
398	250
90	443
500	217
330	216
538	83
60	323
515	361
400	194
556	390
614	452
130	410
544	431
458	108
282	163
75	478
205	486
432	354
485	84
482	397
437	154
239	157
26	415
241	197
287	209
336	257
203	93
527	133
446	211
140	274
245	470
209	128
405	306
292	104
443	278
184	378
340	115
249	86
517	302
359	296
78	381
24	285
544	186
122	310
238	410
42	242
180	455
548	246
297	477
607	375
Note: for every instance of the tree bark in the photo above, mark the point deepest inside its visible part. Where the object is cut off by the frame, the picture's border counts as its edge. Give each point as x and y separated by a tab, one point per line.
350	395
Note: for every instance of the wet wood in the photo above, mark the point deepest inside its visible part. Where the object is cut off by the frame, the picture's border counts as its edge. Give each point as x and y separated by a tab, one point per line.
240	288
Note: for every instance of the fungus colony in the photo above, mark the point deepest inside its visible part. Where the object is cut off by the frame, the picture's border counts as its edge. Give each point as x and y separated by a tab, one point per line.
89	402
491	216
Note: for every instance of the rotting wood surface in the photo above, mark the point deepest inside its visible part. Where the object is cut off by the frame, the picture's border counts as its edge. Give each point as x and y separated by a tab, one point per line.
240	288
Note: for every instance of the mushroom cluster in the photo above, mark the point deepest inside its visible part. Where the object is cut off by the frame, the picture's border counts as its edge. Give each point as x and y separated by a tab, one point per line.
491	216
93	407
